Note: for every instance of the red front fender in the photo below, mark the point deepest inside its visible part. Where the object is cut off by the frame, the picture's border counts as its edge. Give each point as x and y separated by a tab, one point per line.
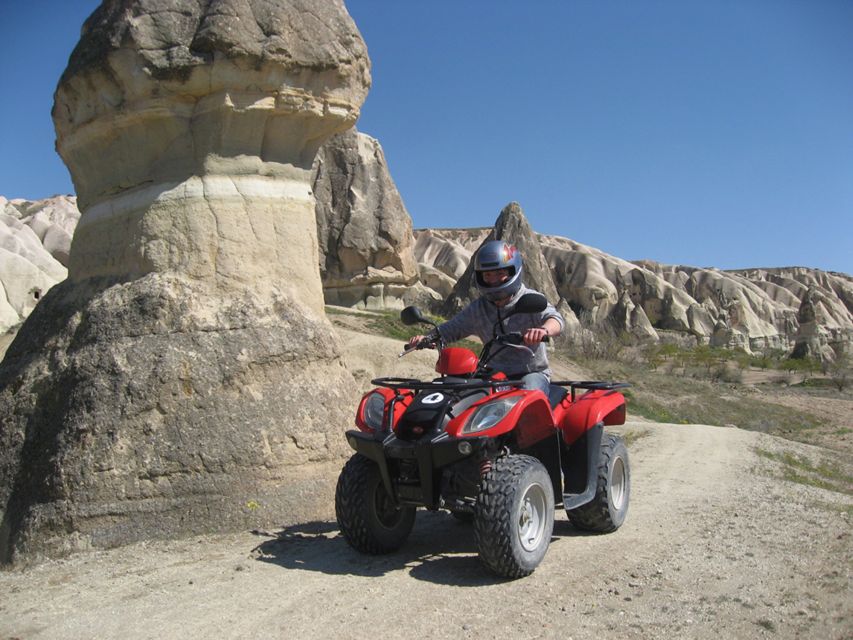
531	418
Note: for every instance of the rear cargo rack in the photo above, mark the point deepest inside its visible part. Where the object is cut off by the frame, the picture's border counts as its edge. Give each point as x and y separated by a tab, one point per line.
437	385
590	385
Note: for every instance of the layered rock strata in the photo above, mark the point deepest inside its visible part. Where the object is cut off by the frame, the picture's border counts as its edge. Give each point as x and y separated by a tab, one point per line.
184	377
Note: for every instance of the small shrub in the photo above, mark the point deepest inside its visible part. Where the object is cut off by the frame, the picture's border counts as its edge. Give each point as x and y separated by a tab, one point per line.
840	372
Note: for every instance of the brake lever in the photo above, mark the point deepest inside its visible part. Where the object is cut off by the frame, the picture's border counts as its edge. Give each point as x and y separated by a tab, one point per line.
423	344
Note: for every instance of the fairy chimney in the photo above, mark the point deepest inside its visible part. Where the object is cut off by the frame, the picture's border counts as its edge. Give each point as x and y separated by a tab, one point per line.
184	378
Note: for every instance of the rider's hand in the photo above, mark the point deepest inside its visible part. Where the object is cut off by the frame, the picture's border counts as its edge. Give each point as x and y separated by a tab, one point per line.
532	337
413	341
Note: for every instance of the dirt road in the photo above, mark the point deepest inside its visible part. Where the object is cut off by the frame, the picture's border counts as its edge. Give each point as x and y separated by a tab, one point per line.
715	546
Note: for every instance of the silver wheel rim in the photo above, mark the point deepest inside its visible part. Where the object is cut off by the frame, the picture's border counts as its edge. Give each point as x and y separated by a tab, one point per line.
618	483
532	518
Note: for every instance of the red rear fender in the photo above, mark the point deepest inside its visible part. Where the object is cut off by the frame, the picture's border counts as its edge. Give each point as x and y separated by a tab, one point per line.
590	409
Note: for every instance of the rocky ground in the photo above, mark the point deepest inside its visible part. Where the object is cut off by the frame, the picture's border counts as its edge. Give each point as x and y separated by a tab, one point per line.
717	544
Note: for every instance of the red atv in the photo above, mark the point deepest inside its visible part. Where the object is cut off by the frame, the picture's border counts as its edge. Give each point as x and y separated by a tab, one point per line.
474	443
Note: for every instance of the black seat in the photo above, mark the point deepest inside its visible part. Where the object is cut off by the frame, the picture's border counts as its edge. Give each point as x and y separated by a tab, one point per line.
556	394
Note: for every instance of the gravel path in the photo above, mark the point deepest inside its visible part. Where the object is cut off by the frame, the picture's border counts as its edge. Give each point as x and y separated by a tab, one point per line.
715	546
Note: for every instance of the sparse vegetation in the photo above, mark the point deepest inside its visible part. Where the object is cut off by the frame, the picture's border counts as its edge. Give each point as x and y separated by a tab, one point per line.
841	372
723	365
824	475
767	624
631	436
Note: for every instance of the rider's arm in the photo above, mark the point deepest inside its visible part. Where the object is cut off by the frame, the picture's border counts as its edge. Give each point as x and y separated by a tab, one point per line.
463	324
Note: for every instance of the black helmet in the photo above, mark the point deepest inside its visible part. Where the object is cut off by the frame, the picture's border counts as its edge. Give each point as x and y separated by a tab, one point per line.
498	255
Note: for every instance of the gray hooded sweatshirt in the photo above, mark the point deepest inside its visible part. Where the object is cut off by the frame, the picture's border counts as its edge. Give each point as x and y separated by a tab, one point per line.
480	318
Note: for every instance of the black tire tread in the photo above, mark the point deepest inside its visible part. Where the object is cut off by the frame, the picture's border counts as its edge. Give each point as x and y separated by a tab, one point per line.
492	528
351	509
595	515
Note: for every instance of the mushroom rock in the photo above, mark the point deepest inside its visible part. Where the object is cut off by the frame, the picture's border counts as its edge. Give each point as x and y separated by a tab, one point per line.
184	377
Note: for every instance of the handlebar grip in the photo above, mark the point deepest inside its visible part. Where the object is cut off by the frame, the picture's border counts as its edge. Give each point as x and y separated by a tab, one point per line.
516	337
426	343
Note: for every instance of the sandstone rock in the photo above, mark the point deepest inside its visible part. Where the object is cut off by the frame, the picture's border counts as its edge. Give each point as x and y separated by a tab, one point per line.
197	105
819	334
35	237
27	270
53	220
447	255
753	309
629	317
436	280
364	230
184	377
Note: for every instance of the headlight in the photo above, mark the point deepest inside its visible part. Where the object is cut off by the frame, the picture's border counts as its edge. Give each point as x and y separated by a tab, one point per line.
489	414
374	410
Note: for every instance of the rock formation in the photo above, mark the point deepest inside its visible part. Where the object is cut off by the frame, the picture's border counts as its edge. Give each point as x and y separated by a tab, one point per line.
755	309
446	250
184	376
365	233
27	268
53	220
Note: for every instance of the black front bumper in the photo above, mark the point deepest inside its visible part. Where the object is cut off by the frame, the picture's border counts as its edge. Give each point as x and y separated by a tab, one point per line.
430	454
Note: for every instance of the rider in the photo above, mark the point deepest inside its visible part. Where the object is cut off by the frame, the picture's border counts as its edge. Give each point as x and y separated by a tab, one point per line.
497	267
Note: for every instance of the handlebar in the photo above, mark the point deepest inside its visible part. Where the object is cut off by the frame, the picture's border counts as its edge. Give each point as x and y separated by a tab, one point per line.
514	338
426	343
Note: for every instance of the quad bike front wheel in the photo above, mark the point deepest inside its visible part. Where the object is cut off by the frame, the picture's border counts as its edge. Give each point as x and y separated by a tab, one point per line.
609	507
367	516
514	517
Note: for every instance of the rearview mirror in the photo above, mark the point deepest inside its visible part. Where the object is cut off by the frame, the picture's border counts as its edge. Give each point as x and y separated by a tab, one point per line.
530	303
412	315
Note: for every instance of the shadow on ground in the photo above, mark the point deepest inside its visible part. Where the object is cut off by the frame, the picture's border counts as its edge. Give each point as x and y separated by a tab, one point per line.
441	550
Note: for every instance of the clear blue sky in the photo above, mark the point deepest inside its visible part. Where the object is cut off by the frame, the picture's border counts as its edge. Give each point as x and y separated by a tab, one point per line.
708	133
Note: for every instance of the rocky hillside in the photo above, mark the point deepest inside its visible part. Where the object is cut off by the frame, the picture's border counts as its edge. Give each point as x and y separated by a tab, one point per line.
371	258
367	256
795	310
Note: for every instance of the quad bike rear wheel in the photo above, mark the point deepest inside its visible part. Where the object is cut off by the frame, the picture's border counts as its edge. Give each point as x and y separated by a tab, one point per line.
514	517
367	516
609	507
